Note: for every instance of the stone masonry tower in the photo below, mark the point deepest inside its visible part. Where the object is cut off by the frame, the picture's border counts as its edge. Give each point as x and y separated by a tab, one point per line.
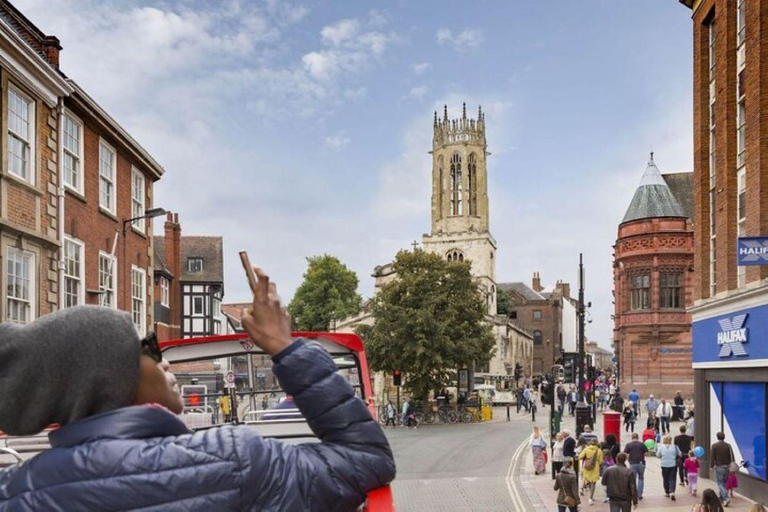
460	228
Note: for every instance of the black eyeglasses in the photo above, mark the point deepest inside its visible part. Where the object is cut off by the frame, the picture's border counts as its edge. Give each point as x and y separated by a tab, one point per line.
150	347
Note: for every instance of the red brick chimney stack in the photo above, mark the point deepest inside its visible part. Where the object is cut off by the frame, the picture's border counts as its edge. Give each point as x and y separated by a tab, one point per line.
173	261
536	284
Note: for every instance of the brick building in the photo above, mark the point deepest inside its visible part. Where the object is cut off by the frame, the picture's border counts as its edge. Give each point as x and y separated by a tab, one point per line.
730	301
70	177
167	288
653	284
548	314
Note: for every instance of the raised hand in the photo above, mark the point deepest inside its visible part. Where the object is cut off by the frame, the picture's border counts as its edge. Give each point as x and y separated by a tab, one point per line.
266	321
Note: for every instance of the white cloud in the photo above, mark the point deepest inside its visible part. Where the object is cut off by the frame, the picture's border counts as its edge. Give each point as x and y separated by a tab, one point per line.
421	68
356	93
464	41
340	32
321	65
336	142
419	91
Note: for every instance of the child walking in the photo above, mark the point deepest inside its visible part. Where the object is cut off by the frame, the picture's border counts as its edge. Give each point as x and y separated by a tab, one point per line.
607	462
692	471
731	483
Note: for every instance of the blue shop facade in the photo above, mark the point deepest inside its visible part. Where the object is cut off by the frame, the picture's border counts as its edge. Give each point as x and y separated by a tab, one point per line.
730	361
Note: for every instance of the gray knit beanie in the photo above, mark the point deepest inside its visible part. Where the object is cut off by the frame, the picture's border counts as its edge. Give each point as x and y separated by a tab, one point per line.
66	366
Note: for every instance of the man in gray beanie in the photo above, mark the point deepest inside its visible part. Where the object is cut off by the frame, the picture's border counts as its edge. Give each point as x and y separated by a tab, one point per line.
120	445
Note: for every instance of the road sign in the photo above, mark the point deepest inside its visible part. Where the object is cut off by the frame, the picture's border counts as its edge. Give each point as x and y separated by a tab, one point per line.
229	380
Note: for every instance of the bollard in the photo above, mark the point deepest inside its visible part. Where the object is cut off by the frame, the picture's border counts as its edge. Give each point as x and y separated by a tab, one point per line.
508	412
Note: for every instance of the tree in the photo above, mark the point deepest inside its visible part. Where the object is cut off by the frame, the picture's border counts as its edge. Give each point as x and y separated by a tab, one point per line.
503	304
428	322
328	293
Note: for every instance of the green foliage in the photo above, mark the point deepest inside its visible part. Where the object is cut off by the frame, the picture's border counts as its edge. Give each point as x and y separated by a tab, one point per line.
328	293
428	322
503	304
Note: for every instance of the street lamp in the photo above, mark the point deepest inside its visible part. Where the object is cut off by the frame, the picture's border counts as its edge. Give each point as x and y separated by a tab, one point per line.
148	214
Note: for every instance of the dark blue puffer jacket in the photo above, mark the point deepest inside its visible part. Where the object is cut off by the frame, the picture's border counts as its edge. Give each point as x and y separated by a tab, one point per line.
144	457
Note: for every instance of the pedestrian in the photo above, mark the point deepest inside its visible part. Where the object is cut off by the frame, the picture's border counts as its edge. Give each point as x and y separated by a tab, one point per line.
588	436
709	502
539	450
411	421
264	402
653	423
612	445
572	399
391	413
224	405
692	473
591	458
620	485
567	483
561	397
608	461
569	449
668	453
636	451
731	483
679	411
721	458
120	445
664	412
634	397
527	399
651	405
690	423
629	414
684	443
557	453
404	413
617	402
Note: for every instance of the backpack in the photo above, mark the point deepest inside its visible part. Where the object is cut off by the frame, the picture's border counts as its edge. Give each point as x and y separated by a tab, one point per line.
591	462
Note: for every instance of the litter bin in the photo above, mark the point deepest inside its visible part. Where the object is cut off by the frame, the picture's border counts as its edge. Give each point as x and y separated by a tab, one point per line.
487	412
612	424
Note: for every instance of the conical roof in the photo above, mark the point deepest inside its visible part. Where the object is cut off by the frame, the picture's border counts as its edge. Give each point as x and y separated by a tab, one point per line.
653	198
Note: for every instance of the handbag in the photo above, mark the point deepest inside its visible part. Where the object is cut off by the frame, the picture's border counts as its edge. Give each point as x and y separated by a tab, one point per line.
546	457
733	467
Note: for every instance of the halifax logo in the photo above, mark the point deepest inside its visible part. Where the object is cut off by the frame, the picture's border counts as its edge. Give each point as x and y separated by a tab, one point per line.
733	335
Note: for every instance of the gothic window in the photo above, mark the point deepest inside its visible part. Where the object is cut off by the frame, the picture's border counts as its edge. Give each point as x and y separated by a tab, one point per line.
640	291
455	255
472	170
537	337
670	290
456	208
440	187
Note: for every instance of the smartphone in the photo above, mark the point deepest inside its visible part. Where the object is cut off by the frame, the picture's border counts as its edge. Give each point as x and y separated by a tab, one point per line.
250	274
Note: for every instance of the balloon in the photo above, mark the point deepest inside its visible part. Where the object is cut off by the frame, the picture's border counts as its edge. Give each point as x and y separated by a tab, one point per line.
698	452
650	444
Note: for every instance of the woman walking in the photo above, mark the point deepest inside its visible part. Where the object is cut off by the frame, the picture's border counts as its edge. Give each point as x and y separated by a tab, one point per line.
710	502
539	449
612	445
592	459
629	417
568	485
668	454
557	453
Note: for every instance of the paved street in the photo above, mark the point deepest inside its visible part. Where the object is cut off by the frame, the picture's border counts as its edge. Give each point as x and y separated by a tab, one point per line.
457	467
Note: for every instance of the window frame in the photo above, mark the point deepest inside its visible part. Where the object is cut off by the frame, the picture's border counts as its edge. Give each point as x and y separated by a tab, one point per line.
536	315
30	301
80	279
193	308
640	297
29	165
671	294
190	260
456	186
139	225
165	292
142	299
111	208
741	220
79	158
113	274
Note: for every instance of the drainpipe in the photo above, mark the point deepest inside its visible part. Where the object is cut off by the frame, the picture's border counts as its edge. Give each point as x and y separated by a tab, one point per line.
60	189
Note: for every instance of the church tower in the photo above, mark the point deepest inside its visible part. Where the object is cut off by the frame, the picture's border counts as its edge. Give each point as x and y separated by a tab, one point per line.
460	227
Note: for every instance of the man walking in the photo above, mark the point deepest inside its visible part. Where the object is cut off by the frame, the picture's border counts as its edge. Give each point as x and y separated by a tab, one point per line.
636	451
588	436
619	482
651	405
572	399
561	396
634	397
664	412
683	442
720	457
569	450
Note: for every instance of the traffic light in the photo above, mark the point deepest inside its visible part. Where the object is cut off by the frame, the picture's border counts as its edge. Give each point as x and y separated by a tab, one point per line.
568	370
397	378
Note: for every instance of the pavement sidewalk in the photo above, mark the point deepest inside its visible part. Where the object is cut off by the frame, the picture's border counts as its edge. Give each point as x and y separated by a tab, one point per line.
539	488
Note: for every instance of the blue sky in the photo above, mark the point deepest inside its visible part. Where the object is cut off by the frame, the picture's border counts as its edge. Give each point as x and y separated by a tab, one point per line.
302	128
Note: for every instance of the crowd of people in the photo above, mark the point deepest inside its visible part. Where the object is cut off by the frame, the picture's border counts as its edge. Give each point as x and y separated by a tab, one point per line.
581	464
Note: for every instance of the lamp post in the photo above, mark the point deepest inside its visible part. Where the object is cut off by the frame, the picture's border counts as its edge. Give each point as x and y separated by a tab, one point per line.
583	412
148	214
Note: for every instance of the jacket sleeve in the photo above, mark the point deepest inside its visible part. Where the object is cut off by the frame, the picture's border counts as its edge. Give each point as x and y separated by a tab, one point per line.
352	458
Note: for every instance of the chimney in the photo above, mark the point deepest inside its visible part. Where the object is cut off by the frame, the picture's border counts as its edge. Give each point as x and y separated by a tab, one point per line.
536	284
173	260
51	48
565	288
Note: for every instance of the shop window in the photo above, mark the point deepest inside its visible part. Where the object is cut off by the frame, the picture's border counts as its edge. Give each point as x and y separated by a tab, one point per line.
738	409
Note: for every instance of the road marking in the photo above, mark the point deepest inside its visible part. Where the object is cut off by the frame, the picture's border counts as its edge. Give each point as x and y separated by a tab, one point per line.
513	492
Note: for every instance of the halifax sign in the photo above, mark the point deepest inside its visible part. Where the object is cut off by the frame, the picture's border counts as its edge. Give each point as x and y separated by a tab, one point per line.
752	251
